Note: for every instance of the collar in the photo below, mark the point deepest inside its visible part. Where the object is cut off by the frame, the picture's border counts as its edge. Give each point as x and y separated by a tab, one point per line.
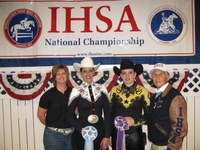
162	88
86	84
130	89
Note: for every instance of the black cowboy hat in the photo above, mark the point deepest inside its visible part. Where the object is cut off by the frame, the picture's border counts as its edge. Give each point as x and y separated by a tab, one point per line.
127	64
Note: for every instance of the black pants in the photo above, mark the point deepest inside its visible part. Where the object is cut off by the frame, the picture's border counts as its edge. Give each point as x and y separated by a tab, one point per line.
134	138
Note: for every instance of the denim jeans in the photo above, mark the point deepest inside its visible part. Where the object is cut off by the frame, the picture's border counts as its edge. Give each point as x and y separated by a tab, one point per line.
56	141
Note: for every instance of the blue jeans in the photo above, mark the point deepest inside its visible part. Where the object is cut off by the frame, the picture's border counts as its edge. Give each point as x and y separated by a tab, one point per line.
56	141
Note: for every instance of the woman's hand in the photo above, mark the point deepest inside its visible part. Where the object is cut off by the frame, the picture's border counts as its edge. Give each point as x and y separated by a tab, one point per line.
130	121
105	143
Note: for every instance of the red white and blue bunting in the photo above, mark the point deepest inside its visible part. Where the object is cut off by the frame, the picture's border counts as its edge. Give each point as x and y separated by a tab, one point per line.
24	85
29	85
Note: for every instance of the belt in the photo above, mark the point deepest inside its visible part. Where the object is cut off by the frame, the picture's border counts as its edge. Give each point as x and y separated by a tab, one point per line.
64	130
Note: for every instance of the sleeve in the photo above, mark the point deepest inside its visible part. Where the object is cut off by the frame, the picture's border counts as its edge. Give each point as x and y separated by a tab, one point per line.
106	115
111	95
72	105
106	110
111	99
178	117
145	104
44	101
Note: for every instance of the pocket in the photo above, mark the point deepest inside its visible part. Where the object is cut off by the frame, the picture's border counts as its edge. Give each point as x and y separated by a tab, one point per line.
158	126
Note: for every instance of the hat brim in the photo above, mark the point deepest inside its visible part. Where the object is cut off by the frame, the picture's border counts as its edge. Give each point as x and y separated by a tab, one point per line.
116	70
77	67
138	68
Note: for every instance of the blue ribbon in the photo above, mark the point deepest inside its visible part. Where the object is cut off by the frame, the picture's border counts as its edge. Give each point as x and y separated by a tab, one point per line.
89	133
121	125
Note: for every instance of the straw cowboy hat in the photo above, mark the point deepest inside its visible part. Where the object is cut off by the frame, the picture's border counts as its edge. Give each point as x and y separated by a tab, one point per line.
86	62
127	64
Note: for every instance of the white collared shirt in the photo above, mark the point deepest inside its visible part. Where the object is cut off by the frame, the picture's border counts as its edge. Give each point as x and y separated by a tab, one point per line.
161	89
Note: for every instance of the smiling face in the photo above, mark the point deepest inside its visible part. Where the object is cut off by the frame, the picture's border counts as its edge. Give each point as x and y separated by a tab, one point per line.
61	77
58	71
87	74
128	76
159	78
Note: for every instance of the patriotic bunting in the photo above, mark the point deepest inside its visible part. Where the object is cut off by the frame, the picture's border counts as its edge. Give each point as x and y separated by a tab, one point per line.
24	85
29	85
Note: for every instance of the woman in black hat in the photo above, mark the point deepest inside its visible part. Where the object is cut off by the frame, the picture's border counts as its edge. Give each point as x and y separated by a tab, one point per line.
129	100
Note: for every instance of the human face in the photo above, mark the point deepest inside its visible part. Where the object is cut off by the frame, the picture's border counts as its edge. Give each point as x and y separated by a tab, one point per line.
61	77
87	74
159	78
128	76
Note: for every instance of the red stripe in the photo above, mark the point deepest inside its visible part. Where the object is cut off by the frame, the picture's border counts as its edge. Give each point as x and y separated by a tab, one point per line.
112	83
24	76
179	88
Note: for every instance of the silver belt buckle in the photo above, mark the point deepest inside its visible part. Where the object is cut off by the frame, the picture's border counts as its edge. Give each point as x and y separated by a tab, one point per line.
67	131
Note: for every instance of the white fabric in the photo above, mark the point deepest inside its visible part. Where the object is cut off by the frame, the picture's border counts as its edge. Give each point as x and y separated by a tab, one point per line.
162	88
86	62
159	66
156	147
84	91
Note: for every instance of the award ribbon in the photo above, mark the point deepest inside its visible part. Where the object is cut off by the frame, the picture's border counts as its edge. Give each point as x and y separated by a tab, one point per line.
121	125
89	133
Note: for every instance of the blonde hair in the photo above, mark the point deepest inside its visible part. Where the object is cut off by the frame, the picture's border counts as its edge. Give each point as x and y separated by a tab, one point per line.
55	69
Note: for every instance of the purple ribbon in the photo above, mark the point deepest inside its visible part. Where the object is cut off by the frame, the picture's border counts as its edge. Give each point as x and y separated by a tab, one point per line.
121	125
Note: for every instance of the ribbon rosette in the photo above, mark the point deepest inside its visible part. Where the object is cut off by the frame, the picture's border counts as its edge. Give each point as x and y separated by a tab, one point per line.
89	133
121	125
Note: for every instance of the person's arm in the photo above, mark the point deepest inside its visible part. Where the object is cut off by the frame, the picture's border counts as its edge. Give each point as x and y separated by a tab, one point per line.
72	108
145	104
41	114
106	140
178	117
106	115
112	107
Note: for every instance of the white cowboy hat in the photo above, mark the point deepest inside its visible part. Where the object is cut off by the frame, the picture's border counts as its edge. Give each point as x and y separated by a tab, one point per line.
159	66
86	62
